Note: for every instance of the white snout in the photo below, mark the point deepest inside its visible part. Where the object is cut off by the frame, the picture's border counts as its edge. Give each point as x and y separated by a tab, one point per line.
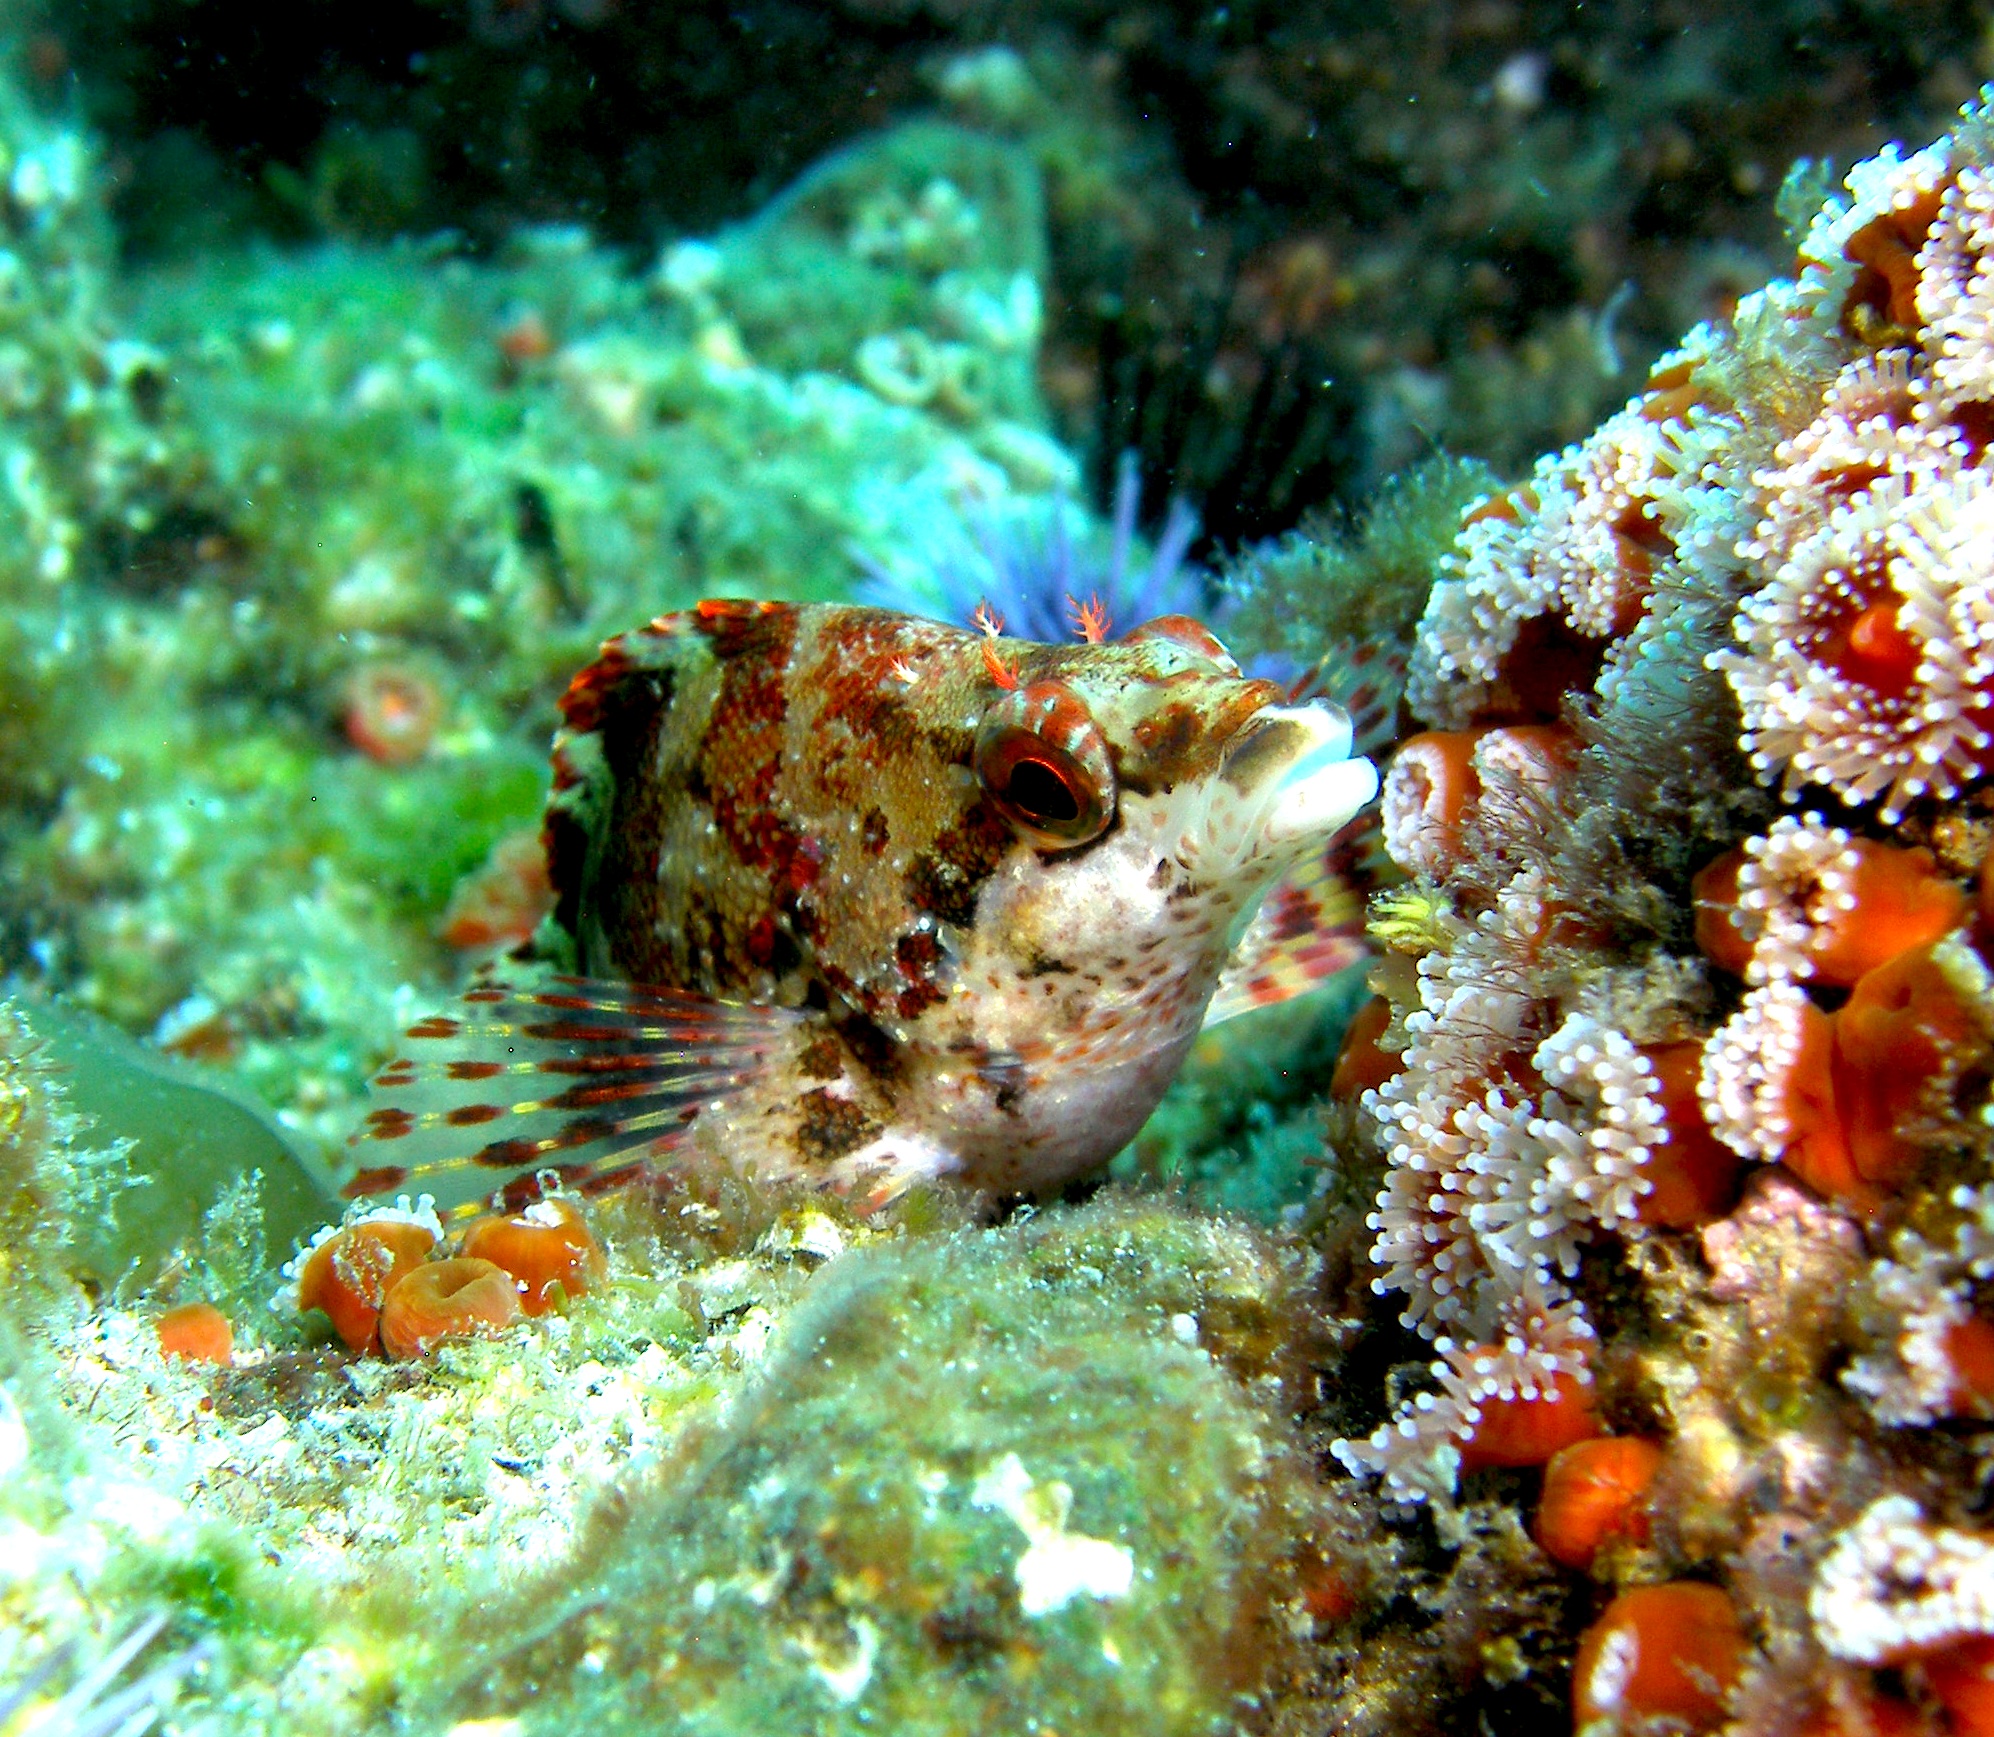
1325	787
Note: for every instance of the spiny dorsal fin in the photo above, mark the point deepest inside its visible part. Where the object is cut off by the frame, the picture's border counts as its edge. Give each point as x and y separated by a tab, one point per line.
592	1080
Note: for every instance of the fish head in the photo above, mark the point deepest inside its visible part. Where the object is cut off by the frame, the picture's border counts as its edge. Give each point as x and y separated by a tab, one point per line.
1156	793
862	898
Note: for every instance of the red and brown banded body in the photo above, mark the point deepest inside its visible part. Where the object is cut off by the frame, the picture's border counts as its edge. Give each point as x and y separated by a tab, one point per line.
862	898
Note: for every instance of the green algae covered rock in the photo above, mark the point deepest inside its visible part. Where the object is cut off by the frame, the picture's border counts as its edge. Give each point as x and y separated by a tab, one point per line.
1032	1478
185	1140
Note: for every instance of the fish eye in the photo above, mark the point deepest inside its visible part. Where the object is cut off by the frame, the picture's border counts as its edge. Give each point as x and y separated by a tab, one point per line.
1042	763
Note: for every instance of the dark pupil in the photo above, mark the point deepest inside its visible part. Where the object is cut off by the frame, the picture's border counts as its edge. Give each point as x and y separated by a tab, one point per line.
1041	792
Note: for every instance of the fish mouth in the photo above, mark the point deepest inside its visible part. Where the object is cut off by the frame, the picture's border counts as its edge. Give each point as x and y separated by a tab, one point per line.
1296	760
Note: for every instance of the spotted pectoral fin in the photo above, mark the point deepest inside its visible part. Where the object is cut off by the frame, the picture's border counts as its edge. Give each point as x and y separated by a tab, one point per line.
1309	927
595	1081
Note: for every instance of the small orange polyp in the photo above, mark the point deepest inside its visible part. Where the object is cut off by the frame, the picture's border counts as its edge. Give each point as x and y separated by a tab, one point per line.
1538	755
392	713
1901	1030
445	1300
1902	901
1714	893
1969	1354
1429	789
1361	1063
547	1248
1671	1651
1527	1432
1595	1491
350	1274
1818	1152
1961	1679
1693	1174
196	1333
501	903
1867	1712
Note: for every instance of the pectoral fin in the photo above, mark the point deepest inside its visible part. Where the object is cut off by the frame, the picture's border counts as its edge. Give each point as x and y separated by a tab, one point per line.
1309	927
594	1081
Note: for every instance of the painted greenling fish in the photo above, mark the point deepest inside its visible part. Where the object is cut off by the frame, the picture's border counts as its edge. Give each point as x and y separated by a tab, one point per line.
853	897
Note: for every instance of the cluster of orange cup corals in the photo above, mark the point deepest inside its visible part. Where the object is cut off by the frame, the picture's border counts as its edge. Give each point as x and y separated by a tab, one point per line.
1838	1096
389	1279
1623	978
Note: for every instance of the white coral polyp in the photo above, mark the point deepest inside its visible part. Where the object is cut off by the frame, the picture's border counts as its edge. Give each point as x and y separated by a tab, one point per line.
1797	878
1426	1245
1748	1065
1864	429
1538	1339
1956	293
1930	548
1575	1159
1894	1586
1579	554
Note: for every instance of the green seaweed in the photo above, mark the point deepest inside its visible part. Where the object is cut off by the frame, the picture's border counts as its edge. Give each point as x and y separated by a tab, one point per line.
1354	581
188	1137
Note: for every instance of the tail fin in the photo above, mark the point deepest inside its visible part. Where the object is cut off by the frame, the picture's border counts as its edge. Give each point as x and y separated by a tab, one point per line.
593	1081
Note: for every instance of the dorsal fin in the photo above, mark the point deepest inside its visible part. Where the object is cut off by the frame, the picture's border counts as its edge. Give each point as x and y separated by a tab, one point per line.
593	1081
1367	681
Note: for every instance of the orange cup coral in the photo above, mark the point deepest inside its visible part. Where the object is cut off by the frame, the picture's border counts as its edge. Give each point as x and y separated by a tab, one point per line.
547	1248
1900	899
1962	1681
1361	1063
1969	1354
1659	1652
1692	1175
1900	1032
350	1274
1867	1712
500	903
1429	789
1713	892
1864	904
392	713
1524	1431
196	1333
445	1300
1595	1491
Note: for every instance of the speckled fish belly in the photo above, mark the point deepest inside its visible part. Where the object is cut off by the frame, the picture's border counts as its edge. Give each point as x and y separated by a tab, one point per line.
859	899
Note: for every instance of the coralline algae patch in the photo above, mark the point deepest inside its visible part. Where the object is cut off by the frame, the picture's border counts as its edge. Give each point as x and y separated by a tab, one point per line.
915	1522
1679	1071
